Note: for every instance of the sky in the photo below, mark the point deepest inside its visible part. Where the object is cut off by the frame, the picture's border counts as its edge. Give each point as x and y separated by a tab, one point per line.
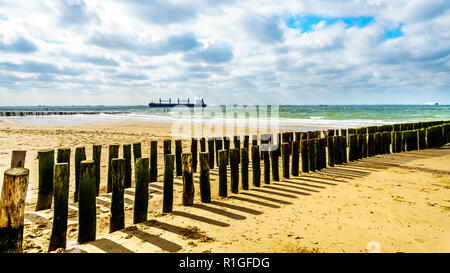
128	52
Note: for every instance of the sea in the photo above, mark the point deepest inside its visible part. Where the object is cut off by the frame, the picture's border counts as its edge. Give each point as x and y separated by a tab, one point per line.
297	117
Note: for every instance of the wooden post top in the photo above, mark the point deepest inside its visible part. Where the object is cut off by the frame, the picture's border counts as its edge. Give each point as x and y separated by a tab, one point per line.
17	172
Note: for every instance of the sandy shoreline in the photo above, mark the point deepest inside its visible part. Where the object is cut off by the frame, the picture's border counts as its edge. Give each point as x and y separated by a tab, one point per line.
397	202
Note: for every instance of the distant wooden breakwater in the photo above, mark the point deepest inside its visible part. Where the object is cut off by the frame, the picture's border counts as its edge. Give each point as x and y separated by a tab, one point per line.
300	152
50	113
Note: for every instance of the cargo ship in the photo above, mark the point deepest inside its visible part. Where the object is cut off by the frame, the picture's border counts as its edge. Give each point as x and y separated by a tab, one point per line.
169	104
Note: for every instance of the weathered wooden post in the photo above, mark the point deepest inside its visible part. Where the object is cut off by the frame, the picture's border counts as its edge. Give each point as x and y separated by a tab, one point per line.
274	160
364	146
244	168
168	183
234	170
80	155
117	217
18	159
96	156
61	207
194	154
141	178
153	161
360	146
202	144
178	152
422	139
295	158
371	145
323	147
312	154
265	156
12	207
337	149
256	166
352	147
218	145
87	221
246	142
343	153
211	152
113	153
205	186
305	155
223	188
254	140
285	159
45	193
226	145
167	146
237	142
137	152
127	157
188	179
330	144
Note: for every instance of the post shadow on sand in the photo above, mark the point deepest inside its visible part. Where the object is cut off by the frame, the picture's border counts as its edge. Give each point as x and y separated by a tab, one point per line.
109	246
235	207
278	201
200	218
220	212
287	188
152	239
191	233
274	193
296	185
256	202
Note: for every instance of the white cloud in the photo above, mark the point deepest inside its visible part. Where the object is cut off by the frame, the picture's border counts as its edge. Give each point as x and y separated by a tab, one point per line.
223	50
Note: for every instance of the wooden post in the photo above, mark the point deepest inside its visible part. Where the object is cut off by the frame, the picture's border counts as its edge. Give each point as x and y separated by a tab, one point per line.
167	146
246	142
80	155
168	183
188	181
223	188
112	153
371	145
117	216
141	178
305	155
244	168
153	161
96	156
275	164
422	140
63	156
194	154
285	159
266	159
295	157
226	145
45	193
312	155
318	154
364	146
178	152
18	159
237	142
61	207
218	146
256	166
202	144
234	170
205	187
211	152
127	158
137	153
352	147
323	152
12	207
254	140
343	153
87	221
337	149
330	144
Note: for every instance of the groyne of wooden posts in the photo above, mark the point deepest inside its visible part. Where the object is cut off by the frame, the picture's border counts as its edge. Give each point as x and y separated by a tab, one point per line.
300	152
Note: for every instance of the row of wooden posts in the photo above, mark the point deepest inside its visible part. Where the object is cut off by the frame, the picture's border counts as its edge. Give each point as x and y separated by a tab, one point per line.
305	151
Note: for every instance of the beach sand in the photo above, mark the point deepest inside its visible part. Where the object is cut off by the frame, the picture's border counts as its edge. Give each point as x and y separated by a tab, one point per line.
387	203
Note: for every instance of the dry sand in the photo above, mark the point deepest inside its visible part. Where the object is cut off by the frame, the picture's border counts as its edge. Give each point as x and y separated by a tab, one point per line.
387	203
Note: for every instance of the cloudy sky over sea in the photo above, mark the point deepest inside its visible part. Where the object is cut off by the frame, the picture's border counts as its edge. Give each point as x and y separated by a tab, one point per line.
65	52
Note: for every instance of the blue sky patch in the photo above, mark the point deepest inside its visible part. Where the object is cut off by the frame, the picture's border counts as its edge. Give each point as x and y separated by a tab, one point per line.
306	23
393	33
